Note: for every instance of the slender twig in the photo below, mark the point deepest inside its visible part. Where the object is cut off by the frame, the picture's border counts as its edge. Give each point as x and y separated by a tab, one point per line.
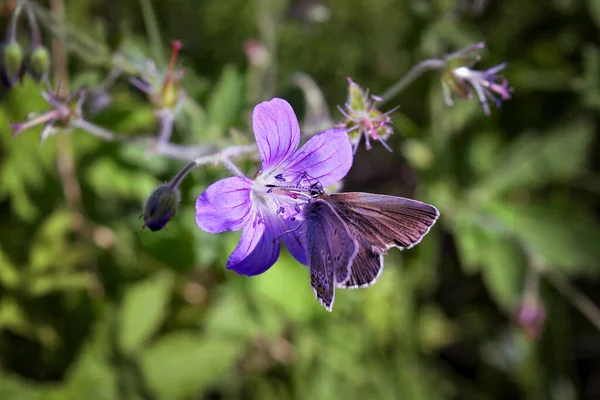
94	129
411	76
11	31
577	298
166	149
223	157
167	121
65	161
34	29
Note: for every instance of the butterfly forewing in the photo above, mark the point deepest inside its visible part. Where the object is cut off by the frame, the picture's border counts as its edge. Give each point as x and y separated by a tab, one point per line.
380	222
331	249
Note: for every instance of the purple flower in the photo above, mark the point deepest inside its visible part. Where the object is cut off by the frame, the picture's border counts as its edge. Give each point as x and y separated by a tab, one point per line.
487	85
530	315
268	208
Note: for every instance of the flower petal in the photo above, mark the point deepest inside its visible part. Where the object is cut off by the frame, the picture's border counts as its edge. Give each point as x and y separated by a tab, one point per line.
294	240
225	205
258	248
276	131
326	157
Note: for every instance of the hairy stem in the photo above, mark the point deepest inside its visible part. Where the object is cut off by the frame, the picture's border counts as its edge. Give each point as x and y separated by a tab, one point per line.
414	73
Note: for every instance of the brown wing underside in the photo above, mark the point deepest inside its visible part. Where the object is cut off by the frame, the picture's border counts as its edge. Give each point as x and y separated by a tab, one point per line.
380	222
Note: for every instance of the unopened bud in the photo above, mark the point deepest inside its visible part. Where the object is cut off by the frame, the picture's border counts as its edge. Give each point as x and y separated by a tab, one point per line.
12	63
39	63
530	315
160	207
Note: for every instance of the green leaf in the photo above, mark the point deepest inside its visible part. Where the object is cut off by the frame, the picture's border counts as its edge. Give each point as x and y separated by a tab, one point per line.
287	285
473	233
589	86
533	161
180	365
92	377
9	274
43	285
142	312
567	238
111	180
503	272
18	388
13	317
52	248
594	11
436	330
226	102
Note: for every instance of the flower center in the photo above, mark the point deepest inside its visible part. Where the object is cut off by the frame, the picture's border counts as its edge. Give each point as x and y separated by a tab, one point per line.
285	195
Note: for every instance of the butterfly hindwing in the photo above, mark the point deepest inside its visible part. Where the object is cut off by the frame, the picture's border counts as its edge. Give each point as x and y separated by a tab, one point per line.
331	249
380	222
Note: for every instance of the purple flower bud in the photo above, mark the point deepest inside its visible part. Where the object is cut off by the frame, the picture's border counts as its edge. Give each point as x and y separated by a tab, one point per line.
530	315
160	207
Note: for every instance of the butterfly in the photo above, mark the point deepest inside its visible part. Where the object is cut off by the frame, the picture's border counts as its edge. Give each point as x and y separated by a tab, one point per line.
347	235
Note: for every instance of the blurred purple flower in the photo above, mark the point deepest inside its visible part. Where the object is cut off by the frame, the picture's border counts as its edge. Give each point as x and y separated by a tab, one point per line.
530	315
66	109
257	53
268	208
459	79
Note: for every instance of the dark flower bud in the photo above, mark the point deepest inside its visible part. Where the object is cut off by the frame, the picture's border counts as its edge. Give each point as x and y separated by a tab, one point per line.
160	207
38	63
12	63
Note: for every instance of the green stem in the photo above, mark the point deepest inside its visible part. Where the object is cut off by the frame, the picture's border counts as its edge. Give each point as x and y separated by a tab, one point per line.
153	32
411	76
36	36
11	32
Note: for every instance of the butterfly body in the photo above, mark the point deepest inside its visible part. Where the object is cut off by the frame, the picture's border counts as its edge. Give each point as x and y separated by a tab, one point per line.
368	225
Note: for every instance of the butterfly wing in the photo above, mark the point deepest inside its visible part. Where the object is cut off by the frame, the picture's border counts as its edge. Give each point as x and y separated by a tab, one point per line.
331	249
380	222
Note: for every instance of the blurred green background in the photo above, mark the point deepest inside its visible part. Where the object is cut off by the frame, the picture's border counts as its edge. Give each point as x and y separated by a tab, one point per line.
92	307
